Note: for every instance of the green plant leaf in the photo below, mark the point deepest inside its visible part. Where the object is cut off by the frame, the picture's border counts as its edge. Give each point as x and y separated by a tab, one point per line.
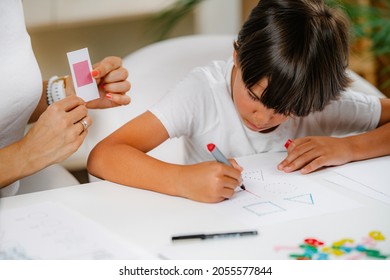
165	21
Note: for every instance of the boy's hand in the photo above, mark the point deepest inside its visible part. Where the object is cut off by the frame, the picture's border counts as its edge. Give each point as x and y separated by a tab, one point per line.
311	153
209	181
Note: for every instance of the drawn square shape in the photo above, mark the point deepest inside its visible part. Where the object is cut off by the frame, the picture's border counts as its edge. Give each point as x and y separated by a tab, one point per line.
82	73
264	208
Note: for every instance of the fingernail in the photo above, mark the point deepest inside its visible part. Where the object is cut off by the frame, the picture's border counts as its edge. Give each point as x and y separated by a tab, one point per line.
288	142
108	96
95	73
304	170
287	169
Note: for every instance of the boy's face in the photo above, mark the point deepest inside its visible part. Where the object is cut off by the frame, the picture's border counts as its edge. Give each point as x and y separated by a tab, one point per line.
253	113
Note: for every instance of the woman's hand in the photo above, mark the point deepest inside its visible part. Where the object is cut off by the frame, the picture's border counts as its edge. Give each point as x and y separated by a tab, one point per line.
111	79
57	134
311	153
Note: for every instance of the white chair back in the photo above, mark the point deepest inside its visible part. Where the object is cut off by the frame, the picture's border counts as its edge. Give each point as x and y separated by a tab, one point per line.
153	70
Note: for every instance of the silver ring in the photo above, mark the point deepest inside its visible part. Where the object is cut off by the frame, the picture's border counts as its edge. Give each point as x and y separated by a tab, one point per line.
85	124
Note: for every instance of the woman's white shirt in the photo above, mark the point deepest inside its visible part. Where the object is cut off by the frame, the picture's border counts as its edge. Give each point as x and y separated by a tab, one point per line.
20	78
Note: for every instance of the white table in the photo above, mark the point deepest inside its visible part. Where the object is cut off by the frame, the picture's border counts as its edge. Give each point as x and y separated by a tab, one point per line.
150	219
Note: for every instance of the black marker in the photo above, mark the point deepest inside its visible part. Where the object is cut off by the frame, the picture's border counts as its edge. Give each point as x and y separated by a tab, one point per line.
214	235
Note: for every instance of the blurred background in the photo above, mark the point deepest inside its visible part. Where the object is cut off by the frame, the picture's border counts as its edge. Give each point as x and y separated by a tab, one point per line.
115	27
119	27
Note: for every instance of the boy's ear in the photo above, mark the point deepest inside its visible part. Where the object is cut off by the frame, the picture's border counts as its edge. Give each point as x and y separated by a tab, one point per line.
235	57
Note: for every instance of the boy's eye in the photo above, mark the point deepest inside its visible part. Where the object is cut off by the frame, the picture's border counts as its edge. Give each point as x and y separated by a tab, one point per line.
253	96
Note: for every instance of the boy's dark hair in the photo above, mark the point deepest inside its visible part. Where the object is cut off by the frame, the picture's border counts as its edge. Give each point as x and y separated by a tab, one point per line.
302	47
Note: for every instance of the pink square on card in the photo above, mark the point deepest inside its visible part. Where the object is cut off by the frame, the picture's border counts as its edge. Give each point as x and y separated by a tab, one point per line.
82	73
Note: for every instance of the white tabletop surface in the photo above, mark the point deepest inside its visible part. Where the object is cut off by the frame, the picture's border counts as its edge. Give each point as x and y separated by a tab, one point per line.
150	219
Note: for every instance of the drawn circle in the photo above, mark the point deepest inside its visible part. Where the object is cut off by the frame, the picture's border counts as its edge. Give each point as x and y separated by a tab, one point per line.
279	187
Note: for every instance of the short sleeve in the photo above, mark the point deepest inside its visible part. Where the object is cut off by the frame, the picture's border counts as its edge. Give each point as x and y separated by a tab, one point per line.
352	113
184	107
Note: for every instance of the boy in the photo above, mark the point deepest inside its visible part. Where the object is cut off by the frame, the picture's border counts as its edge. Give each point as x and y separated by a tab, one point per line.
286	80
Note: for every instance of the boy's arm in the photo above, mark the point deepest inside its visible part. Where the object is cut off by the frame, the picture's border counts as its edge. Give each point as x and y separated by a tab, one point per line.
311	153
376	142
122	158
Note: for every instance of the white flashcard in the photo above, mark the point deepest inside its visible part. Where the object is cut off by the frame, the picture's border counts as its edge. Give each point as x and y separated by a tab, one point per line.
81	67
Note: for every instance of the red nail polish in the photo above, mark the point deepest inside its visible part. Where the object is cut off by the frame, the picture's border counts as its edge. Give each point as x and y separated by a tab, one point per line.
95	73
288	142
108	96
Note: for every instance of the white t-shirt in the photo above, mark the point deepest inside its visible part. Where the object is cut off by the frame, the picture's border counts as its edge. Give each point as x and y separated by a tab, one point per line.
20	78
200	109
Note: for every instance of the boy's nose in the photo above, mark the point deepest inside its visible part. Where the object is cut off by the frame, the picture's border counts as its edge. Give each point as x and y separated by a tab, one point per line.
262	118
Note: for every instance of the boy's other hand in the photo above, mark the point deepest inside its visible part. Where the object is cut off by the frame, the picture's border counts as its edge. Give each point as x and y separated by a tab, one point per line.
311	153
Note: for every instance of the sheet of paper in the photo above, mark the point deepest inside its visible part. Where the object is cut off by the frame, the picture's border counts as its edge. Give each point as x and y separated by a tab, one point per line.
369	177
52	231
272	196
81	67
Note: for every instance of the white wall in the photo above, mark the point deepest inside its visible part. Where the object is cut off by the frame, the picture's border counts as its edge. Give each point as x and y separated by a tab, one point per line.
115	27
118	34
218	17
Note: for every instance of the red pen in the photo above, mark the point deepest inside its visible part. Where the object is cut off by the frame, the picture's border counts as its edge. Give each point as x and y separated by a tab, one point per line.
220	157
